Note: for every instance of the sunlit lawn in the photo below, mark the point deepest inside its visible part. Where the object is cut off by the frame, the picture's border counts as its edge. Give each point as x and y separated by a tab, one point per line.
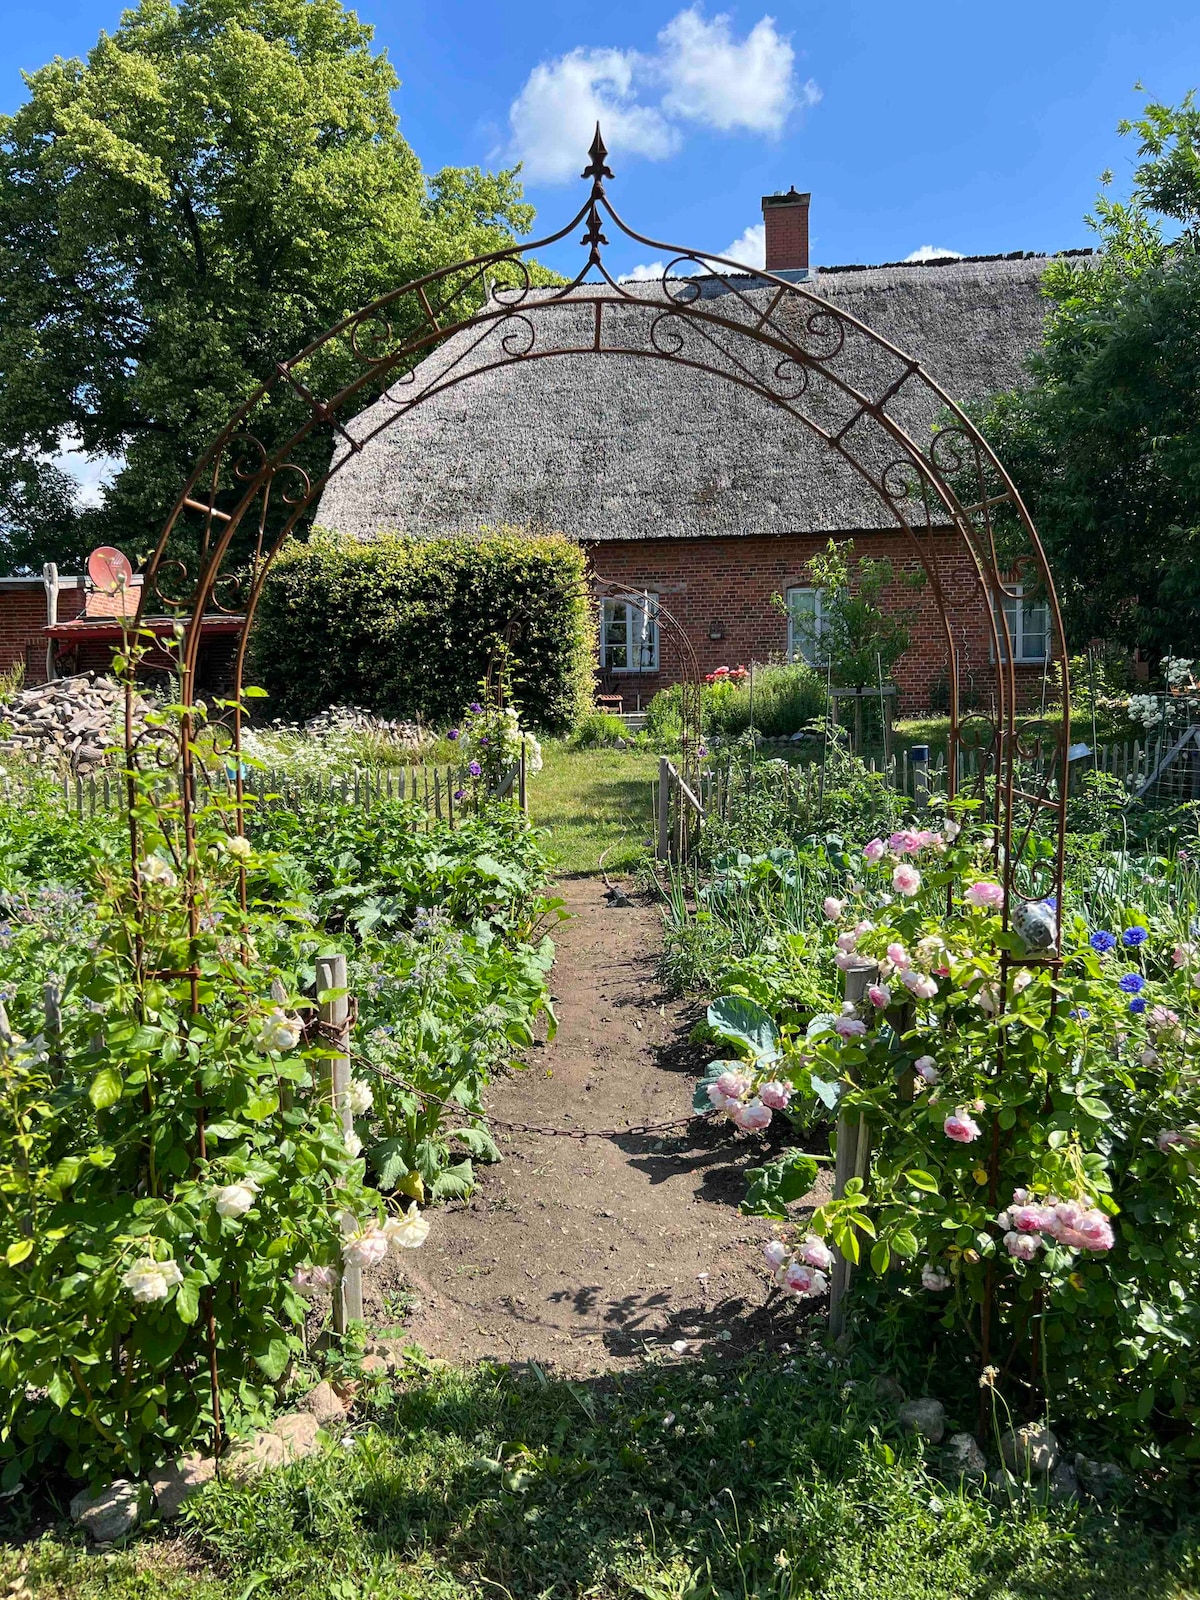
594	802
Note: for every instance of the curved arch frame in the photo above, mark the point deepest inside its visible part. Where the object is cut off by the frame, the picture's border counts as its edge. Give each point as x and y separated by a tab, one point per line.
700	318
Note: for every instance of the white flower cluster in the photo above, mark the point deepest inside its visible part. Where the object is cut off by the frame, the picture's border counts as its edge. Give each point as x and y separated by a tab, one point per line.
370	1245
503	733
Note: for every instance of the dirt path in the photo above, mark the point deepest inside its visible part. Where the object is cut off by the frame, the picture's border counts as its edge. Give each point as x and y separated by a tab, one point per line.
581	1255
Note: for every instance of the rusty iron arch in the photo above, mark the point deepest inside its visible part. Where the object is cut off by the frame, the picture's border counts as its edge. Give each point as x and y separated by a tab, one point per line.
790	352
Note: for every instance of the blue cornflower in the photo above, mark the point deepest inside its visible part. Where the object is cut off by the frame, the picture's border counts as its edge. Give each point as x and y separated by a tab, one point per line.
1103	942
1080	1013
1133	937
1131	983
1051	902
1137	1006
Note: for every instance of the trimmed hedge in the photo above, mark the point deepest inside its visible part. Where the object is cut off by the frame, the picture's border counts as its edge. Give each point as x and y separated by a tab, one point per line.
407	627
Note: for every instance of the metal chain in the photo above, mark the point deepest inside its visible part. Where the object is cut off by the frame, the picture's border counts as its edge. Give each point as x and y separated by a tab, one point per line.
530	1127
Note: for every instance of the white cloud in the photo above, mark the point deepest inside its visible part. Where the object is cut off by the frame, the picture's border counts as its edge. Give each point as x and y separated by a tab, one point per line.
700	73
750	248
555	115
934	252
92	474
646	273
713	78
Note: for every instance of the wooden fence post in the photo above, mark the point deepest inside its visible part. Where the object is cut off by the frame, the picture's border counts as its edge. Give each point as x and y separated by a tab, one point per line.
919	755
852	1159
663	849
335	1027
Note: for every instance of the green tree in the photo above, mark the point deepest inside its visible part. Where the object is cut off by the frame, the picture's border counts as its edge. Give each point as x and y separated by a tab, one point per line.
853	634
220	181
1105	447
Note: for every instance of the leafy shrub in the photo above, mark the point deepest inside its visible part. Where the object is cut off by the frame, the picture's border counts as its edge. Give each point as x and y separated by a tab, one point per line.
784	699
408	627
599	730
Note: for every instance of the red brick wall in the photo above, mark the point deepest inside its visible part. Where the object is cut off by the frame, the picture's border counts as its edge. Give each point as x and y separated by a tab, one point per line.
731	581
22	619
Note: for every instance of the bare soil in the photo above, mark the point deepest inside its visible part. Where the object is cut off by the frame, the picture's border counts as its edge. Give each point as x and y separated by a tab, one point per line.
584	1255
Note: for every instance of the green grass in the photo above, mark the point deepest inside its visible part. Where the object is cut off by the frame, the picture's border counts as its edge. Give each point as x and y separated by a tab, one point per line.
594	802
697	1481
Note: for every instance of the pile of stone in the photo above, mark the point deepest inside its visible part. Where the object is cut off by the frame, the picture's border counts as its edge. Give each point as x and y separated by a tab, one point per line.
339	720
69	723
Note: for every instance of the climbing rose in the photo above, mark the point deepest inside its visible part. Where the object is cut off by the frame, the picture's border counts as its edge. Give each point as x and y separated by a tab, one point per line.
1163	1020
846	941
985	895
753	1117
1186	955
1169	1138
353	1145
875	851
815	1252
804	1282
149	1280
930	949
359	1098
850	1027
960	1126
1026	1218
988	999
926	1068
833	908
407	1232
1081	1227
776	1253
847	960
906	880
934	1278
734	1085
235	1199
918	984
776	1095
366	1248
906	842
929	841
897	955
155	870
879	995
1022	1246
278	1032
236	845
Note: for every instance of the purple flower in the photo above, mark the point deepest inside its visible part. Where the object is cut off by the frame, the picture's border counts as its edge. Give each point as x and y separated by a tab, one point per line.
1133	937
484	739
1103	942
1131	983
1080	1013
476	771
460	794
475	708
1137	1006
453	734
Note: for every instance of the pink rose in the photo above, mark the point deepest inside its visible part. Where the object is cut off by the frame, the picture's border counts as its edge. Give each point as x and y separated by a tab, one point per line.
1020	1196
1174	1138
1163	1020
753	1117
879	995
934	1279
961	1126
1186	955
815	1252
921	987
985	895
906	880
776	1095
1022	1246
833	908
926	1069
776	1252
988	999
849	1027
366	1248
846	941
804	1282
875	851
906	842
847	960
1027	1218
734	1084
927	840
898	956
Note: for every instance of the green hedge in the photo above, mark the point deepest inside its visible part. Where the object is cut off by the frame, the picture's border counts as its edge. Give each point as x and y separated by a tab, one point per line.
407	627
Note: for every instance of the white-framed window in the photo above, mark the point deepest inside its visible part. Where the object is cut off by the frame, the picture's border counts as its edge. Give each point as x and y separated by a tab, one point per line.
629	634
806	625
1028	627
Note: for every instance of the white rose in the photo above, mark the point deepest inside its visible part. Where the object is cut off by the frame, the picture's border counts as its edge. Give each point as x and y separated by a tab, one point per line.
235	1199
408	1232
354	1144
155	870
359	1098
365	1249
236	845
278	1032
149	1280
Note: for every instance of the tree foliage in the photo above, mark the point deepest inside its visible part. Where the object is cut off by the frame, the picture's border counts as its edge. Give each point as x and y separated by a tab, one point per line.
217	183
1105	447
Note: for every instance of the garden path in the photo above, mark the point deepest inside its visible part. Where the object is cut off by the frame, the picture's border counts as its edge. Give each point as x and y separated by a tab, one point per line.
581	1256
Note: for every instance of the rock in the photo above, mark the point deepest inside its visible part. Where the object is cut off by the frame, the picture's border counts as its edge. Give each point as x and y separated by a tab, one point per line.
1099	1478
113	1513
178	1482
298	1430
324	1404
924	1417
374	1366
247	1458
888	1388
1064	1485
392	1352
1030	1449
964	1458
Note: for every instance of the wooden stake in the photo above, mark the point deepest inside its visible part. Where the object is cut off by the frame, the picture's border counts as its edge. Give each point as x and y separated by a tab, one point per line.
335	1023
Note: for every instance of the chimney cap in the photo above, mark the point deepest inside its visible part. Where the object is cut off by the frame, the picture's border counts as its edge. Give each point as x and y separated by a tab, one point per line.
792	198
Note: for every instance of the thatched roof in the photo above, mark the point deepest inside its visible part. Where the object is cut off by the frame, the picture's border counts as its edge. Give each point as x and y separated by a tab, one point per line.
604	447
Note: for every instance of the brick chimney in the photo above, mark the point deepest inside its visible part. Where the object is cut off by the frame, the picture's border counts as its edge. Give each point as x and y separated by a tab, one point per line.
785	217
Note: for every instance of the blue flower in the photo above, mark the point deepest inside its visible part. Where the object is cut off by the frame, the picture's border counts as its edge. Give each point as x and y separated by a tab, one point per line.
475	708
1051	902
1137	1006
1131	983
460	794
1080	1013
453	734
1133	937
476	771
1103	942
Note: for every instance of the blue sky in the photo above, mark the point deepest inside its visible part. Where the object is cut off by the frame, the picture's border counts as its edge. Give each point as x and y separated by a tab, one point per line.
974	128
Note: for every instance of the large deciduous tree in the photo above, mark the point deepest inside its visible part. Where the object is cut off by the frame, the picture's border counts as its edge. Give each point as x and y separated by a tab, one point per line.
218	182
1105	446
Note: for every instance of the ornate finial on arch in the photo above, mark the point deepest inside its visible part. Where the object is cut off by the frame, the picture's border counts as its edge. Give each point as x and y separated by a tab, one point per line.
596	168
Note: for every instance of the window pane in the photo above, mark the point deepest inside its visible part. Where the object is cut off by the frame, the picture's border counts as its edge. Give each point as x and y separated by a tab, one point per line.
1035	630
804	624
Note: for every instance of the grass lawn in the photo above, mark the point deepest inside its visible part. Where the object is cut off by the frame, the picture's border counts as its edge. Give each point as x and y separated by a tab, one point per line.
700	1480
594	801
